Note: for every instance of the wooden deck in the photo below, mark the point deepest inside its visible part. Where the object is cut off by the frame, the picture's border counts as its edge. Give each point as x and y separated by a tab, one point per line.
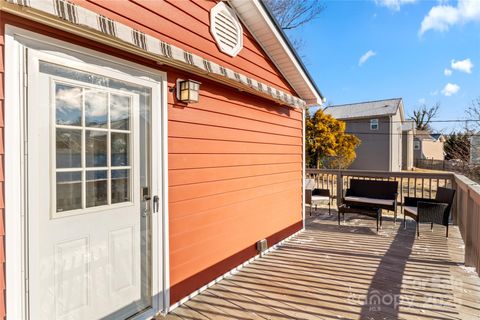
349	272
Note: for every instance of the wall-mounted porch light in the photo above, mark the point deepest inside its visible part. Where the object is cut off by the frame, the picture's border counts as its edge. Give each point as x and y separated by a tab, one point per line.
188	90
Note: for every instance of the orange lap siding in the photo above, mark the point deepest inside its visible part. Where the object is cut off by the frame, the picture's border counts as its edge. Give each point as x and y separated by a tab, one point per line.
2	203
235	177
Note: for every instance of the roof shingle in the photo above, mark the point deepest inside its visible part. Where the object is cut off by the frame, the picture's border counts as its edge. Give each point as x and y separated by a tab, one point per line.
364	109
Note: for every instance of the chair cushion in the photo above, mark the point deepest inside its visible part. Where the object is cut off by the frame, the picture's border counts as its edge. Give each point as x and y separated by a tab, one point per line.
320	198
412	210
384	202
309	184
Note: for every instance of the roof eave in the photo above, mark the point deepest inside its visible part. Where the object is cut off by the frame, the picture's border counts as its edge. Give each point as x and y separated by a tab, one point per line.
253	12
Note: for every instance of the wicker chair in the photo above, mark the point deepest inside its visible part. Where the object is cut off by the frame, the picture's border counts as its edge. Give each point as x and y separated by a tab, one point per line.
321	195
314	195
430	210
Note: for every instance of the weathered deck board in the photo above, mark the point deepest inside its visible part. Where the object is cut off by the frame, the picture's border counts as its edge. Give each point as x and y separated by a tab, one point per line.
349	272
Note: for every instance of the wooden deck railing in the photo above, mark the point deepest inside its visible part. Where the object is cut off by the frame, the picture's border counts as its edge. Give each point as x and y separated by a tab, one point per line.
412	184
465	211
468	219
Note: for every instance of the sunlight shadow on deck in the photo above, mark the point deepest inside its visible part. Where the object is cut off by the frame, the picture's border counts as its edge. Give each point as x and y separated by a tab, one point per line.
384	294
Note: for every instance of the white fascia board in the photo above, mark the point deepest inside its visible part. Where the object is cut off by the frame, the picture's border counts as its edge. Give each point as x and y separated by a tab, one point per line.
402	110
258	22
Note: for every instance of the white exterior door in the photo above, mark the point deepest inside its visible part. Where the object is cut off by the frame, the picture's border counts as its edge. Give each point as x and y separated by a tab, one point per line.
89	182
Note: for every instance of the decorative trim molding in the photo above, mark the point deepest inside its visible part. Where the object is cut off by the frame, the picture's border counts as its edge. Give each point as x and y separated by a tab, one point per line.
232	272
165	53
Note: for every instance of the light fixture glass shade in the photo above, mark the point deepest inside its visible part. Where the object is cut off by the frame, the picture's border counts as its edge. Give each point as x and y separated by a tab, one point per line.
188	90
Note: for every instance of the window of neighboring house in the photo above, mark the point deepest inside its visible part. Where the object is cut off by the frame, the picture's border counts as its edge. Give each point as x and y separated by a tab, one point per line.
374	124
416	144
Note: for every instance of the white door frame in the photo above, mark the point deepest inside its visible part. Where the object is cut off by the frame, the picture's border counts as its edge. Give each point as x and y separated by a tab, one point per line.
16	40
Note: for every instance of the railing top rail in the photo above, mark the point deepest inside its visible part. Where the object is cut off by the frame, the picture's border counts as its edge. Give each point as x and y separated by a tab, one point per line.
464	180
385	174
468	185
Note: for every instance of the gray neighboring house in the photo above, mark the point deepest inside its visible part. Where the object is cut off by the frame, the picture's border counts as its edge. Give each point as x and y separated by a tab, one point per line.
382	129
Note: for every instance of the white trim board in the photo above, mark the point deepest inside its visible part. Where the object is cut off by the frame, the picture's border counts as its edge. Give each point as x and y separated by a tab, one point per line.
304	176
232	271
14	184
16	40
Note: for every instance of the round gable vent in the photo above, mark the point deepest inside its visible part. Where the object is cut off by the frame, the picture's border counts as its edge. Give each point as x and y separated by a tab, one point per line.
226	29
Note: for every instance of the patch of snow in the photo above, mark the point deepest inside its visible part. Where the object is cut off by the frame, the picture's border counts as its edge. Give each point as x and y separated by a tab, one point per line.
469	270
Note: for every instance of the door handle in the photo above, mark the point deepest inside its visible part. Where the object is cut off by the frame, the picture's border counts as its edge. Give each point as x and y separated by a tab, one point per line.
156	201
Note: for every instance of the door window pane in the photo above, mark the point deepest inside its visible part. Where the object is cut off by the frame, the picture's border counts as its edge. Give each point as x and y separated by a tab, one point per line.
68	105
119	112
96	148
93	127
68	148
69	191
97	188
120	149
96	108
120	186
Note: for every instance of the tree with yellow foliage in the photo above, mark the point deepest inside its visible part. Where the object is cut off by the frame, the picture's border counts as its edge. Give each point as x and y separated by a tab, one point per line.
327	145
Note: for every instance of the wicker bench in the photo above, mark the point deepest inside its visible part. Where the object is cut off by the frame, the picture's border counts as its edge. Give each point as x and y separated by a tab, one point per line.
372	194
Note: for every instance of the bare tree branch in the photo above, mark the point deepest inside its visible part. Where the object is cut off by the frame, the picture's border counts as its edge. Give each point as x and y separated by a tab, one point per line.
291	14
473	112
424	115
298	44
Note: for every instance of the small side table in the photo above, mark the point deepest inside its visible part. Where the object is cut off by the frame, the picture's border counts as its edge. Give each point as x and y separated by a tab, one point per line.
366	211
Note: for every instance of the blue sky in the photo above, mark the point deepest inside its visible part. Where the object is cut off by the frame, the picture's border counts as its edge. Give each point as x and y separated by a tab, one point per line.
406	44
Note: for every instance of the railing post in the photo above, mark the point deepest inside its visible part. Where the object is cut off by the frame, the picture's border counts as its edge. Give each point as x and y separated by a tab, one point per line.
339	188
469	246
455	200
